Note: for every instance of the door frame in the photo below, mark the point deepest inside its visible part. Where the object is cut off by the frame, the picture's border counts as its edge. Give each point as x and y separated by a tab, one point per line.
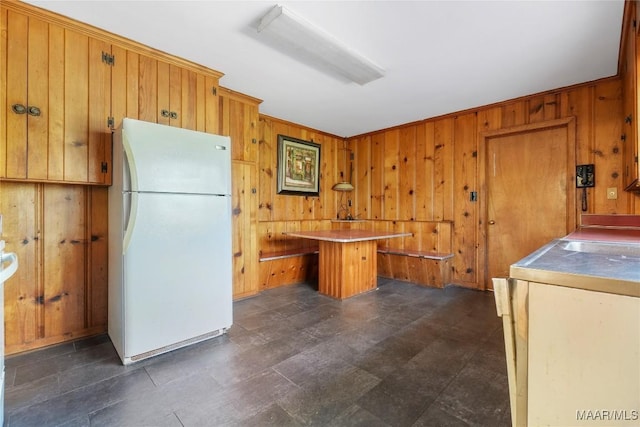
569	123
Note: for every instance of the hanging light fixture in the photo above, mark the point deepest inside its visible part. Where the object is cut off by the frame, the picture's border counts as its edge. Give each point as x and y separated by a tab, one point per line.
343	186
301	39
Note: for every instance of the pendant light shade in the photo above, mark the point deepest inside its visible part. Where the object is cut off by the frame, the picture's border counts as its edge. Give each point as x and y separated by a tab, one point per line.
343	186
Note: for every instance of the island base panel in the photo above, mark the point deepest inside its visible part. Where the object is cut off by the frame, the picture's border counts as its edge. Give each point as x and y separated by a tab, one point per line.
347	269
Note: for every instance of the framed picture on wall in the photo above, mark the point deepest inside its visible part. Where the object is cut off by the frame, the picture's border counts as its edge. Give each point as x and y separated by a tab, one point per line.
298	166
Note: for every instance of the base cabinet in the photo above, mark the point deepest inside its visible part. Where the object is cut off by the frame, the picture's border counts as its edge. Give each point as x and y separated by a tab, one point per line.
576	355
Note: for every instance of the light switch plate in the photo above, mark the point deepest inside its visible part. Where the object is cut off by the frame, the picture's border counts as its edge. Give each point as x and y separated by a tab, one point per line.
612	193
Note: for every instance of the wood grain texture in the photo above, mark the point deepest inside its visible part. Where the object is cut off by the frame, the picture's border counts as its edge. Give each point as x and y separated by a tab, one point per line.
16	125
347	269
3	92
244	244
60	290
446	170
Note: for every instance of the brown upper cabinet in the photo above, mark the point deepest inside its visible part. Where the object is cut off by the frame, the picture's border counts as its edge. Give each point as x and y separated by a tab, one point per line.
630	70
154	90
66	85
56	103
239	120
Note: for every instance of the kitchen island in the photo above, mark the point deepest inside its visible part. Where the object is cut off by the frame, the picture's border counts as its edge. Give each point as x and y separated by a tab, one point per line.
571	316
347	263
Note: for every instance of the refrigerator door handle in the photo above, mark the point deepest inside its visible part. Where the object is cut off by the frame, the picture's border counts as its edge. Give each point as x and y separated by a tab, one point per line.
131	223
8	272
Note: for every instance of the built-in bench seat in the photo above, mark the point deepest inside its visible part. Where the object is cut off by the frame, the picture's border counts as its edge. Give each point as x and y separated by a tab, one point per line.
415	254
421	267
289	253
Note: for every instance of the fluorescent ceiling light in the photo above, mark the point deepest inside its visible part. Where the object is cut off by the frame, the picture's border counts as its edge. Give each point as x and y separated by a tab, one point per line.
305	41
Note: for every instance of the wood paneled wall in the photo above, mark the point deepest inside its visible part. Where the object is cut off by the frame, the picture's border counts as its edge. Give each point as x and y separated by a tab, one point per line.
60	289
280	213
425	171
277	207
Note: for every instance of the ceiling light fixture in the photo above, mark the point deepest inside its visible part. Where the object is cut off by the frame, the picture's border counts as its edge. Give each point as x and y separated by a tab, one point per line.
303	39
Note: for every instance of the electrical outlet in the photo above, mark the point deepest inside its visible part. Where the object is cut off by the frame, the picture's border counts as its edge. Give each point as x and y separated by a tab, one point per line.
612	193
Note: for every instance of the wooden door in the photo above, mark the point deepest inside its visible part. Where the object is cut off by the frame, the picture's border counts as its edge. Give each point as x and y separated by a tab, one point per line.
530	198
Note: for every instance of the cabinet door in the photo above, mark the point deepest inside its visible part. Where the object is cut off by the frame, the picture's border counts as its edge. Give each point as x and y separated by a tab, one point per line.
87	105
27	60
57	104
239	120
583	355
171	95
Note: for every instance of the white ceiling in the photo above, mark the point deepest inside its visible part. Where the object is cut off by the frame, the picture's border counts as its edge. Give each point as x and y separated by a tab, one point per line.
439	56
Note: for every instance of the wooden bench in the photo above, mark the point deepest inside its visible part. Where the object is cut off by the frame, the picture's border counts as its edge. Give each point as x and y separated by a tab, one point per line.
423	268
288	266
289	253
415	254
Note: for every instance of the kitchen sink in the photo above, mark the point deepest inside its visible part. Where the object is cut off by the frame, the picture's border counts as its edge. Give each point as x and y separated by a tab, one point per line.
610	249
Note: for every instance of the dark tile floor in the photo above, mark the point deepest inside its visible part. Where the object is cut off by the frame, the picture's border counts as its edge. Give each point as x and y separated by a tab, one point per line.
403	355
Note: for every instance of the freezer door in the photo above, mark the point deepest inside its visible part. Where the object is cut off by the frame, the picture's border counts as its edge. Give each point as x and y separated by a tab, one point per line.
162	158
177	269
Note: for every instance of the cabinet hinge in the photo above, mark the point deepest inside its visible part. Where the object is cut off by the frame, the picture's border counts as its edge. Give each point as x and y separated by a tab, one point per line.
636	159
104	167
214	91
110	122
108	58
634	23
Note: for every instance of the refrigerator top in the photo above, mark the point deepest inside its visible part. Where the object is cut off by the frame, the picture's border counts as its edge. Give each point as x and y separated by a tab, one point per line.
167	159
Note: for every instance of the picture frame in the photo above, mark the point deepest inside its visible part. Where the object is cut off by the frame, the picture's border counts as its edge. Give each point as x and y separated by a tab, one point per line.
298	167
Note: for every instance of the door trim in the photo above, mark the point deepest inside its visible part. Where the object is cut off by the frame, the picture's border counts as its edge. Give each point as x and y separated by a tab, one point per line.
569	123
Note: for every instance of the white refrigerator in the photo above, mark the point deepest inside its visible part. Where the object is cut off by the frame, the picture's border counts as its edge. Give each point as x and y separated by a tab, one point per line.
169	239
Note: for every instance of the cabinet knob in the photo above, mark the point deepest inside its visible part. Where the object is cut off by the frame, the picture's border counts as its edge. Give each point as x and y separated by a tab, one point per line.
164	113
492	222
33	111
19	108
173	115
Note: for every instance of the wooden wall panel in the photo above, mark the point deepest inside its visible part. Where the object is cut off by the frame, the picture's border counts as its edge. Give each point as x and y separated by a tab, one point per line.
446	172
425	168
188	98
38	81
97	258
407	173
60	290
148	94
16	93
244	244
3	94
361	150
377	176
20	207
98	108
465	169
443	191
608	149
76	96
277	207
63	248
391	188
